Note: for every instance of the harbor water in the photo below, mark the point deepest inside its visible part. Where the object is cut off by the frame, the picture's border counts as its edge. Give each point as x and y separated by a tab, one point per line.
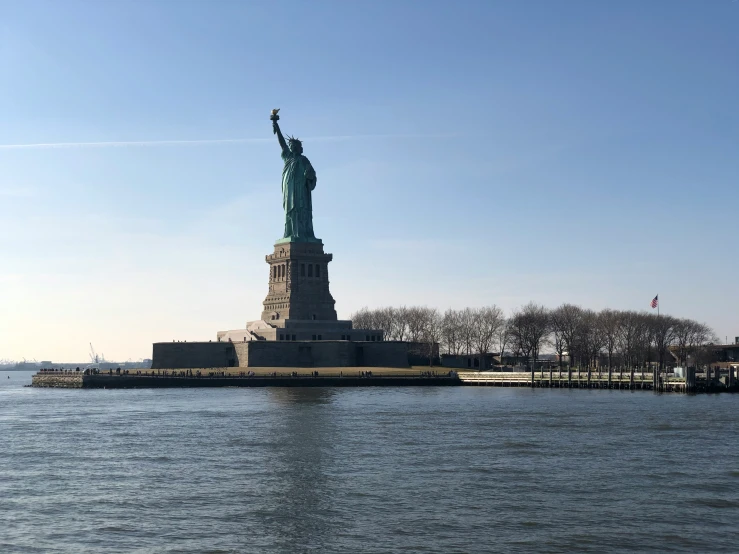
434	470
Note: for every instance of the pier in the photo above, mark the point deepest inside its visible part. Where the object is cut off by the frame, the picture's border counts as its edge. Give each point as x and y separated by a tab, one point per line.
627	380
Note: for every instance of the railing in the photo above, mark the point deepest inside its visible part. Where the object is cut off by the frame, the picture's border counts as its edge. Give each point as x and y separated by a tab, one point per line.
566	380
297	374
539	376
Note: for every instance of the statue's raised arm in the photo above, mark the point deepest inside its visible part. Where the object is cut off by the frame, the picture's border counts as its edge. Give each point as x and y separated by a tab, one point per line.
276	128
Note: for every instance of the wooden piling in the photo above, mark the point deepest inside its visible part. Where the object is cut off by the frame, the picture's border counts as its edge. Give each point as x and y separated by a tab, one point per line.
690	380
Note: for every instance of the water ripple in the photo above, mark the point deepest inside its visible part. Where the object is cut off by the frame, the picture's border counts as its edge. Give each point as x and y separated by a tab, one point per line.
353	470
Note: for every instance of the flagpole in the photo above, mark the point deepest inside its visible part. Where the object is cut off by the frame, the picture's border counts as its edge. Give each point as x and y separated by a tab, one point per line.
657	372
659	354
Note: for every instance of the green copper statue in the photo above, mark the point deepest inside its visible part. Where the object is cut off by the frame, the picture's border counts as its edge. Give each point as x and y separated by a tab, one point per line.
298	180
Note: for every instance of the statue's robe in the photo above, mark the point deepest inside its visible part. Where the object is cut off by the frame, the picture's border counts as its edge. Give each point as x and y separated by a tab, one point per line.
298	180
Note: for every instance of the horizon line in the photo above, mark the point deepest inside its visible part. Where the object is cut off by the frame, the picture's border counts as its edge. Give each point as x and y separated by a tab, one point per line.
119	144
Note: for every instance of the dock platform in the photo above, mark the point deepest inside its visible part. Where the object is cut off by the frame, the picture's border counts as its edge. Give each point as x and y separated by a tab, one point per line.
633	380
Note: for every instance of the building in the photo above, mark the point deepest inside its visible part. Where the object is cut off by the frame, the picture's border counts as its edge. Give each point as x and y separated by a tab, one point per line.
298	328
715	355
727	352
474	362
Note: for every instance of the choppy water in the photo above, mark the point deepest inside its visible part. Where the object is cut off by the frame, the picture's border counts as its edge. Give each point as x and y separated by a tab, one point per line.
366	470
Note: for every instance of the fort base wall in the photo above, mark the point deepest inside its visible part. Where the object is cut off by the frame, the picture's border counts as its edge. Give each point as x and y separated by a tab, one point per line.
191	355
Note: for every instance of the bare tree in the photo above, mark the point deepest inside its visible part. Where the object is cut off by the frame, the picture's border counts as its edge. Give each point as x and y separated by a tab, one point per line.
646	340
539	327
432	331
558	339
362	319
452	333
567	322
417	318
530	327
517	327
628	333
590	339
634	338
401	323
702	336
467	329
385	319
504	337
380	318
695	340
609	322
663	333
487	321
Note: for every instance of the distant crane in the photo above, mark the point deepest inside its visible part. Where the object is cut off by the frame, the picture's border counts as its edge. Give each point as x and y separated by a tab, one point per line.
94	357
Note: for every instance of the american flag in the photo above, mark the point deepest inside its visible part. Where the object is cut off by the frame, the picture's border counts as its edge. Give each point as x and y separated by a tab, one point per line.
655	302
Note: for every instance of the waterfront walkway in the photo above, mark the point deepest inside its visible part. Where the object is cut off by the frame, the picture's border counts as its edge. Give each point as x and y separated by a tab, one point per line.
248	377
598	380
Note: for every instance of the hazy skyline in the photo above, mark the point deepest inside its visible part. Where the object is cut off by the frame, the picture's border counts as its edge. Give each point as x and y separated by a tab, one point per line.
467	153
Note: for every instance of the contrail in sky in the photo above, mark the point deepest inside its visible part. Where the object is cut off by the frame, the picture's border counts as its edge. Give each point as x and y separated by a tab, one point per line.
109	144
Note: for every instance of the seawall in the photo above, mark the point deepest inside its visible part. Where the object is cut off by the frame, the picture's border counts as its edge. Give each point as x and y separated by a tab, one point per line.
63	380
102	381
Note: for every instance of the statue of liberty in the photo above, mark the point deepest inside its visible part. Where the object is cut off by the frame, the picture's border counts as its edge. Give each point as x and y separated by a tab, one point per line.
298	180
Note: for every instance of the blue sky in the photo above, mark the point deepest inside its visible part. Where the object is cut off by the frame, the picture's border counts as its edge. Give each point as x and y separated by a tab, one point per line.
467	153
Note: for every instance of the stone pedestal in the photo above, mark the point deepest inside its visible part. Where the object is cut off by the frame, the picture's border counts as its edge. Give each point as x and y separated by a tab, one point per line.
299	327
298	283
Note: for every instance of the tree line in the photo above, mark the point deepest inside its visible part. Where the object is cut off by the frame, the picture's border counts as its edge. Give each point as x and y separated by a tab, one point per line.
614	338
